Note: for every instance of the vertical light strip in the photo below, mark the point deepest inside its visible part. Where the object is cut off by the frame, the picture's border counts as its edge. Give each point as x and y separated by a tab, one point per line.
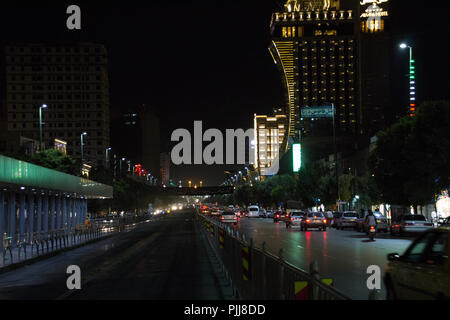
285	50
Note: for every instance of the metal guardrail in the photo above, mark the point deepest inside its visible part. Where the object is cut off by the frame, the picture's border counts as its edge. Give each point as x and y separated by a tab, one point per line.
259	275
39	243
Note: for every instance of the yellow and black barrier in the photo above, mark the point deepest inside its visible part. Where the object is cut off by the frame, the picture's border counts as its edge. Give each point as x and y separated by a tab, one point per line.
246	275
221	238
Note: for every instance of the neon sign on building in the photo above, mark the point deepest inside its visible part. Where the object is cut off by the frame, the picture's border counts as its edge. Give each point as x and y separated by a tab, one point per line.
374	15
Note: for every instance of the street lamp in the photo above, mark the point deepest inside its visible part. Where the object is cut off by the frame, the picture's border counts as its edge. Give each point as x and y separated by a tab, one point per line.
40	125
107	149
412	81
120	165
81	138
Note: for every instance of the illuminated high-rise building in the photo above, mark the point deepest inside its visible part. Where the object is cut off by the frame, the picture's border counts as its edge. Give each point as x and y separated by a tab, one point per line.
317	47
270	132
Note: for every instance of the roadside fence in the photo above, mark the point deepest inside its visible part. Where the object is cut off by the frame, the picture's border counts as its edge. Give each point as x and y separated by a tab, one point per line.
257	274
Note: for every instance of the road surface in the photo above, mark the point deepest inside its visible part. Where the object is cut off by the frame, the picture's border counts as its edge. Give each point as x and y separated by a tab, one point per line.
165	258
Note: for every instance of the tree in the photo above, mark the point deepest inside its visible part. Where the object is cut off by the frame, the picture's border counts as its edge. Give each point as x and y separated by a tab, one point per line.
56	160
312	183
411	160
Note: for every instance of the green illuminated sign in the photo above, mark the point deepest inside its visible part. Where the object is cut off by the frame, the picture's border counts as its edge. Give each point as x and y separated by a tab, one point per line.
297	156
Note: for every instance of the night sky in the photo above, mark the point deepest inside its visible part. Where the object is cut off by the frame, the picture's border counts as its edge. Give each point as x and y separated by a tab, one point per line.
207	60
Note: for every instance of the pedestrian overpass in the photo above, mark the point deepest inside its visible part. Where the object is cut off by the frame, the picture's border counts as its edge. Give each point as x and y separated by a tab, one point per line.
37	199
202	191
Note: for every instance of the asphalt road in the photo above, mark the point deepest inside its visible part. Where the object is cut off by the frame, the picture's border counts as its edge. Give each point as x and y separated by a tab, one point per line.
165	258
343	255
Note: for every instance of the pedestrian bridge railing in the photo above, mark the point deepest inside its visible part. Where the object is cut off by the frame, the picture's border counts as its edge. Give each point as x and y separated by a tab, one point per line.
257	274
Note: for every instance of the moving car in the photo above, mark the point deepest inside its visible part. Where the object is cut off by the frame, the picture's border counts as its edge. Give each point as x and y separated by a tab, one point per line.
313	220
423	271
295	218
347	220
215	212
270	213
279	216
253	212
262	213
228	216
410	223
205	210
382	224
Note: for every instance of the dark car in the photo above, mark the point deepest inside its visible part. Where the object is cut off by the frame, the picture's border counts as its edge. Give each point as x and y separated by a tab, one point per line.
279	216
446	222
336	216
313	220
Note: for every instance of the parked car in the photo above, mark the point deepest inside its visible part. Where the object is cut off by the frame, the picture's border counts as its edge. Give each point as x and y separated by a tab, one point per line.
422	272
347	220
270	213
382	224
410	223
279	216
228	216
313	220
253	212
295	218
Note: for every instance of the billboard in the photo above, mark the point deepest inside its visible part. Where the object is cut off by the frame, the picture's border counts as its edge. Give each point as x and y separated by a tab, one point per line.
317	112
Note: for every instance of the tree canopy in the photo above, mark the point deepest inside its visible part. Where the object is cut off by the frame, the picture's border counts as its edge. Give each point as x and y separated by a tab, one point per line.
411	163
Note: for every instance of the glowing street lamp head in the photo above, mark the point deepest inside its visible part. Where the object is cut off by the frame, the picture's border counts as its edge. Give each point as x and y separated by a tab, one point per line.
403	46
84	133
44	106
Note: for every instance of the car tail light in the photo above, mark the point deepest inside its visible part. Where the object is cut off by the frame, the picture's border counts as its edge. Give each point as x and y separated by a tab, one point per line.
307	220
292	219
324	221
278	215
223	218
372	227
234	218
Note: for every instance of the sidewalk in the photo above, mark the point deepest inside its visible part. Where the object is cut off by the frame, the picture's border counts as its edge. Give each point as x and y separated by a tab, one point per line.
17	257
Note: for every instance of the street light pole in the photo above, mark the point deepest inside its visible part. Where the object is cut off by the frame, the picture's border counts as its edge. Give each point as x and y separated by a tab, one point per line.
81	138
338	196
107	163
40	125
412	81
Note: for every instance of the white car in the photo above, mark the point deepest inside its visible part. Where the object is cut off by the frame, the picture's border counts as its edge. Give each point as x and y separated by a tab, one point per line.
295	218
410	223
228	216
348	219
253	212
